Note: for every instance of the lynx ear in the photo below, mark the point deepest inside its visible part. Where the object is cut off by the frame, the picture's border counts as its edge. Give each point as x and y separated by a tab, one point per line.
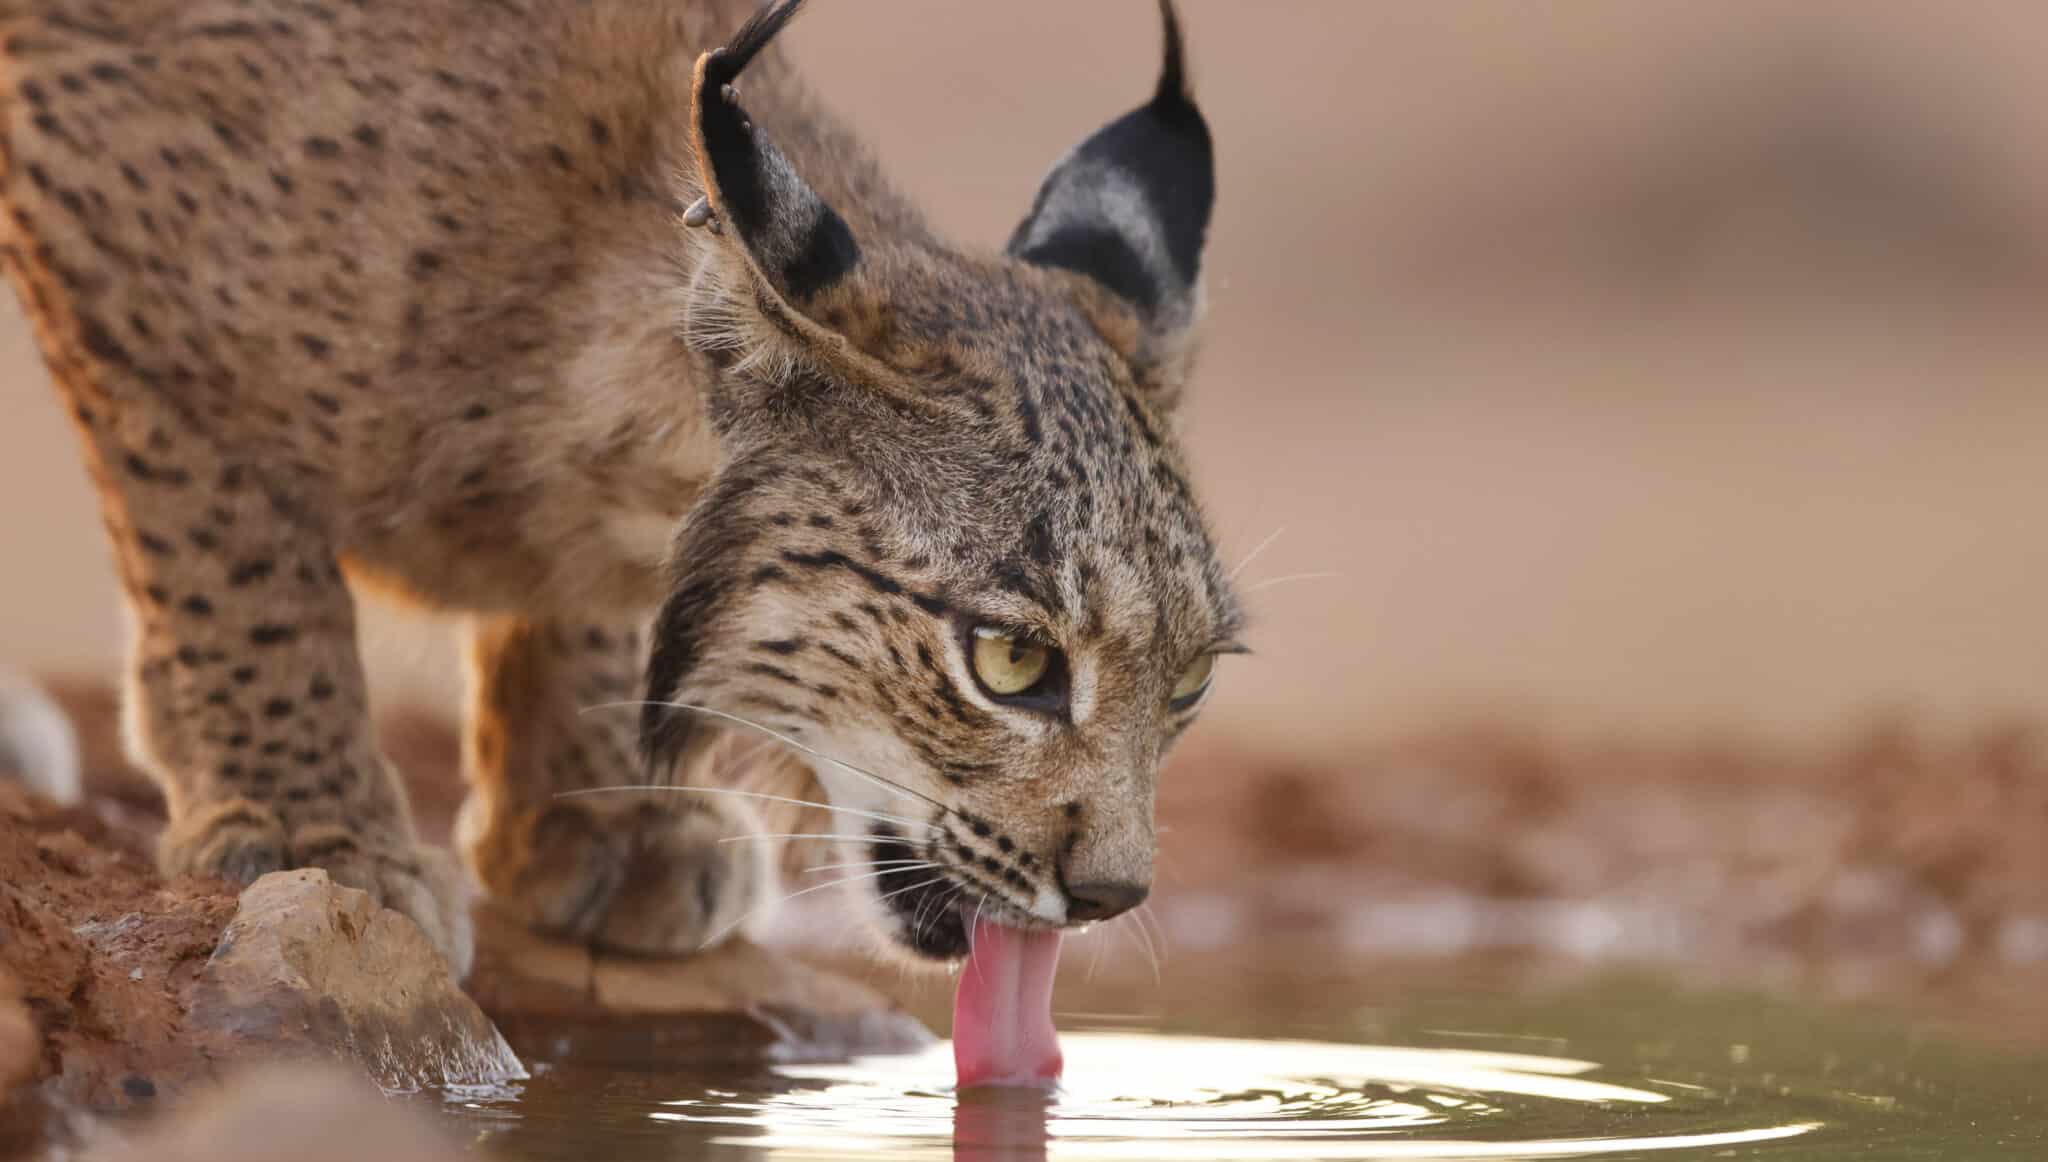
760	209
1129	209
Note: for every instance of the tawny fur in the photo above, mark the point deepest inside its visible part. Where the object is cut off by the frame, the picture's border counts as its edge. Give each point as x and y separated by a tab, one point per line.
400	290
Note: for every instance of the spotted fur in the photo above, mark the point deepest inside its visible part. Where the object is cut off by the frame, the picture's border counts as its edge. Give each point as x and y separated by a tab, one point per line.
421	293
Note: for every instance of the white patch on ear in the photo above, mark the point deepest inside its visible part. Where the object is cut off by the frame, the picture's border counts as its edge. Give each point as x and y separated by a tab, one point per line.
1096	194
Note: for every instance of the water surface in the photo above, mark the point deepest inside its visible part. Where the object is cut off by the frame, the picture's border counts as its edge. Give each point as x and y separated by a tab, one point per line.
1600	1070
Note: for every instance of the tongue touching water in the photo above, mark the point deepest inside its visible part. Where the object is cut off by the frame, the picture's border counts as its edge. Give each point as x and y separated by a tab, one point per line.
1312	1068
1002	1008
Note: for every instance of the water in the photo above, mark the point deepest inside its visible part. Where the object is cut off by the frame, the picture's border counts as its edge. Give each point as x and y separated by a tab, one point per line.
1607	1070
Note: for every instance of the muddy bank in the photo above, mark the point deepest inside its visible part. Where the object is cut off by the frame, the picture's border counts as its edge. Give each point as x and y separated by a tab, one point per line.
1888	843
101	950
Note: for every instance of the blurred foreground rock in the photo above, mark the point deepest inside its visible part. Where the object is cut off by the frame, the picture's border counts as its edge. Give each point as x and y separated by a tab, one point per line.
301	1113
737	1003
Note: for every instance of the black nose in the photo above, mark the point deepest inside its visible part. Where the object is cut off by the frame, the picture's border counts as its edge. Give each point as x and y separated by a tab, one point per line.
1088	902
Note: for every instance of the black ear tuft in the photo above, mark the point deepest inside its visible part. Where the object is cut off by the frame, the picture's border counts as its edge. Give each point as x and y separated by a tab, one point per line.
1129	207
753	36
1173	69
798	241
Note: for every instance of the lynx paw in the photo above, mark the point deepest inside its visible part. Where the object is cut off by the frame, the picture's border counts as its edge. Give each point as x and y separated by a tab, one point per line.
242	840
632	873
235	839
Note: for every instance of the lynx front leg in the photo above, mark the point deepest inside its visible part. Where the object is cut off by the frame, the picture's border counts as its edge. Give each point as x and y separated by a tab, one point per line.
637	871
246	699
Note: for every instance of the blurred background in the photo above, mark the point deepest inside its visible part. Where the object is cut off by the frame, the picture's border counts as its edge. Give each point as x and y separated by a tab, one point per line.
1641	408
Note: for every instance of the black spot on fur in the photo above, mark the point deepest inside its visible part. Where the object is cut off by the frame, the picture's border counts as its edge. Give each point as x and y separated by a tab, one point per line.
99	342
250	572
763	669
270	634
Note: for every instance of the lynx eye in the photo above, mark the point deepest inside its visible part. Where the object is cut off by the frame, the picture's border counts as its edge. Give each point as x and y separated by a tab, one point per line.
1007	665
1192	683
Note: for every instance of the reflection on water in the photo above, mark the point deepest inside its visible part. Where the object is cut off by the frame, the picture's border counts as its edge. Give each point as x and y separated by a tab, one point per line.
1139	1096
1615	1077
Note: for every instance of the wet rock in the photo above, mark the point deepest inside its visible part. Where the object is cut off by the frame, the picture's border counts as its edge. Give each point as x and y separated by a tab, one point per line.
737	1003
142	989
307	965
301	1112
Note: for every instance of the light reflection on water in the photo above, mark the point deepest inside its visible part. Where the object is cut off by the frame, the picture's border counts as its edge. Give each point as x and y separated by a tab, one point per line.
1136	1096
1131	1095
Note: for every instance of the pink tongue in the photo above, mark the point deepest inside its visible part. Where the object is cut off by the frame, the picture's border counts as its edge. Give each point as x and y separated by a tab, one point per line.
1002	1013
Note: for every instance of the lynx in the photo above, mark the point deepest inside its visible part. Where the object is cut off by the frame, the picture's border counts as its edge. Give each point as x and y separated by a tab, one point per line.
586	322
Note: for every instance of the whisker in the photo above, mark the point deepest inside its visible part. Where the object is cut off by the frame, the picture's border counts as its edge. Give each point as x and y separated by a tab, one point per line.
875	815
1151	953
932	909
796	835
1147	915
895	863
886	784
917	918
1261	547
732	764
1269	582
715	937
913	887
975	962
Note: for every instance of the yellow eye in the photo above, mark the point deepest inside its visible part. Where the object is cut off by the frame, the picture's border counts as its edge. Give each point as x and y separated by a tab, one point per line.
1188	688
1006	664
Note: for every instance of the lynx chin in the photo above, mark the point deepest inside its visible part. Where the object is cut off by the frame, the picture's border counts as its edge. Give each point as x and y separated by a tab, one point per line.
586	321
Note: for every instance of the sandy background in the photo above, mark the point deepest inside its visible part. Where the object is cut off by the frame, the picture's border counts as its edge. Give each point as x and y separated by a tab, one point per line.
1644	368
